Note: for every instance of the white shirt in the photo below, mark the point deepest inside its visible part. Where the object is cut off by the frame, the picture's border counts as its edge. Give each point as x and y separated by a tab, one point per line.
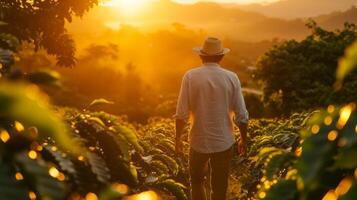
213	97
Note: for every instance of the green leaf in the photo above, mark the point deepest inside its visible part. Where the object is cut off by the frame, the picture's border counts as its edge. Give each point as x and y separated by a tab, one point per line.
98	167
170	162
96	120
26	104
111	193
100	101
317	151
59	157
276	164
347	63
347	158
177	189
36	174
285	189
45	77
6	58
129	135
10	188
159	167
124	147
9	42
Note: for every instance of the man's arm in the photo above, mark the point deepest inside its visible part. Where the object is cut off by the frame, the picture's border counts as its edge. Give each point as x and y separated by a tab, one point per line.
242	145
182	113
241	118
180	127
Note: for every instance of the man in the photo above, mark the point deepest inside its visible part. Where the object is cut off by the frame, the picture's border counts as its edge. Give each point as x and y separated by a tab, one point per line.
213	97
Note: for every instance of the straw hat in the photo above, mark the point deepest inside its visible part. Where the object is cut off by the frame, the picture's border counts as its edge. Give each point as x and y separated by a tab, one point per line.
211	47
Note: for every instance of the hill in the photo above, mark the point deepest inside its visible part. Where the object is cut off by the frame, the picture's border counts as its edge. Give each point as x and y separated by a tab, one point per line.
290	9
213	18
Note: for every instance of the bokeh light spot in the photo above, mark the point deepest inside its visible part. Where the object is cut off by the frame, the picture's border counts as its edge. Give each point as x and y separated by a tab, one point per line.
330	195
332	135
330	108
32	195
80	158
345	114
343	186
32	154
120	188
298	151
19	176
19	127
342	142
91	196
53	172
4	136
328	120
315	129
61	177
148	195
262	195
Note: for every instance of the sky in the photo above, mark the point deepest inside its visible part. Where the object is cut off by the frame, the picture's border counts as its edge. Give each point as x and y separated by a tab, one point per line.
133	7
228	1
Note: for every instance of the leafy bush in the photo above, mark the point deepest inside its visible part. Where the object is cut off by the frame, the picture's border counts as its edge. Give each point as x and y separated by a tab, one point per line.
324	165
300	75
266	137
60	153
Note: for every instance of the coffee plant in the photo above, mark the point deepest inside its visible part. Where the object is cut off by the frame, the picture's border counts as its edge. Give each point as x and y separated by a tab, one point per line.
323	165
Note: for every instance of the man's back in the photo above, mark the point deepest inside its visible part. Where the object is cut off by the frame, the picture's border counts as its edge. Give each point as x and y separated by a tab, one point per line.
212	95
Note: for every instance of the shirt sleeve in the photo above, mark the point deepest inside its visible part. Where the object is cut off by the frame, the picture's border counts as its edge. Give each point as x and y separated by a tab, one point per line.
239	107
182	109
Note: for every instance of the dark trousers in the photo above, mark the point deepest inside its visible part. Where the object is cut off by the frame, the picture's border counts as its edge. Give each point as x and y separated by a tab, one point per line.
215	163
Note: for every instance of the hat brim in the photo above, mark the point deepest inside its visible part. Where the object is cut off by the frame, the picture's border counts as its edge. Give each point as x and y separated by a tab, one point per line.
198	50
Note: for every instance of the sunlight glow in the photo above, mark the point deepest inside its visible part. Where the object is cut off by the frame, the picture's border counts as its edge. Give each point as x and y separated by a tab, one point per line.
5	136
345	114
344	186
127	7
228	1
148	195
330	195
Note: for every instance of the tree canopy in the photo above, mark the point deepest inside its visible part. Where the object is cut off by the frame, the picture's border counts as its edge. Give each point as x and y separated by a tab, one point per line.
300	75
42	22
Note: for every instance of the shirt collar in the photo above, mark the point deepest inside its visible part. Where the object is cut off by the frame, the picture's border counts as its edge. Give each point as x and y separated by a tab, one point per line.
211	64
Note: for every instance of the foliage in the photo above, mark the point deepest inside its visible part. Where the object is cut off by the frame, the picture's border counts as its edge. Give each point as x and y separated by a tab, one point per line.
347	64
24	20
300	74
25	121
275	140
93	154
111	154
254	105
325	165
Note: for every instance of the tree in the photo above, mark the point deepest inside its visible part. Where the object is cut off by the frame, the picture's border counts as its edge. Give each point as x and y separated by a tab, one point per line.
302	73
42	22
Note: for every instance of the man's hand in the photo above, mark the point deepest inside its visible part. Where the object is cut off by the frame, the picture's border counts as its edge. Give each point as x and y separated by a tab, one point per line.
180	126
242	148
242	145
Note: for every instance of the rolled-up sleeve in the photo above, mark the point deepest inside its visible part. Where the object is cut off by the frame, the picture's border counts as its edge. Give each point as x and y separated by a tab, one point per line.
239	107
182	109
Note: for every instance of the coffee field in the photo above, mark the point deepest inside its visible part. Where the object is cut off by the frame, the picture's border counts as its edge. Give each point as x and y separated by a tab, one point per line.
303	148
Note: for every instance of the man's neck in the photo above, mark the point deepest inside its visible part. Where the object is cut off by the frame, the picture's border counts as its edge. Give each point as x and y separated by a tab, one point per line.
211	64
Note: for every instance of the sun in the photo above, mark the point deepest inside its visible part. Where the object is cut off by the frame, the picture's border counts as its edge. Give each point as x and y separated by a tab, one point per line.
127	7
